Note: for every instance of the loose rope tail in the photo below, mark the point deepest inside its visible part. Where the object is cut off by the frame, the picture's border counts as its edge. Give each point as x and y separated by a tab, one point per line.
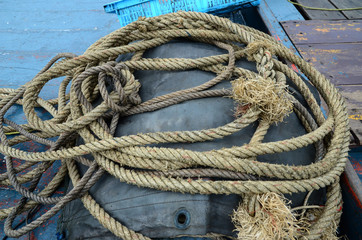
130	158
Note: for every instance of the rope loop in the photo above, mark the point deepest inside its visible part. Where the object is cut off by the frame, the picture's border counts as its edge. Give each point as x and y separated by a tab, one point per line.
120	80
262	99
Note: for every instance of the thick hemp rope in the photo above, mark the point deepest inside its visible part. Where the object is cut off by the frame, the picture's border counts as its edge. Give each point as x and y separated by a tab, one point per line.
131	159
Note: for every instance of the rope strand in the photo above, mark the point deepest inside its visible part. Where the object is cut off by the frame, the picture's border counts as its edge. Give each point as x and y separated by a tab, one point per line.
168	169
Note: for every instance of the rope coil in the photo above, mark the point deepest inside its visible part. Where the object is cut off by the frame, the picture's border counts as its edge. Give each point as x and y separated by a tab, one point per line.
73	115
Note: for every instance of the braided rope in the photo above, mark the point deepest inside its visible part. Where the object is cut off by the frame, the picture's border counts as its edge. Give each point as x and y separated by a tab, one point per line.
74	115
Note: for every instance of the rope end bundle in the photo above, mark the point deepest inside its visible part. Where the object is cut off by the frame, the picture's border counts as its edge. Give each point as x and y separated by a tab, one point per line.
269	216
273	219
268	96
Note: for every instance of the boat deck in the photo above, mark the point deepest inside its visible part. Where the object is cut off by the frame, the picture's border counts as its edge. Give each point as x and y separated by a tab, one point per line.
31	33
332	42
330	4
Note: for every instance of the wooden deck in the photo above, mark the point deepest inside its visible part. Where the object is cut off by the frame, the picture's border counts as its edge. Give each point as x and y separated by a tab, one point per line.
32	32
332	42
331	4
335	49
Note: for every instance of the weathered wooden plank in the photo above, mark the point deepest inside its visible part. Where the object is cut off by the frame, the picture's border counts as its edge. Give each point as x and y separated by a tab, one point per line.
271	19
55	41
317	14
316	31
341	63
33	32
349	4
21	67
353	96
282	10
55	7
32	21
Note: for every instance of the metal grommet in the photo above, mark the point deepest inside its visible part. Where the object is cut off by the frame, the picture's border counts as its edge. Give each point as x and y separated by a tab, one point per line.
182	218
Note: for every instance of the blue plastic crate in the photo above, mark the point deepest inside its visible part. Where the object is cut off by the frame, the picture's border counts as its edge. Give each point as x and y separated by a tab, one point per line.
130	10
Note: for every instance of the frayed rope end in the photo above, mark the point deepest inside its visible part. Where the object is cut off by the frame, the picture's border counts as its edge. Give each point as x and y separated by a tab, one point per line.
269	97
274	220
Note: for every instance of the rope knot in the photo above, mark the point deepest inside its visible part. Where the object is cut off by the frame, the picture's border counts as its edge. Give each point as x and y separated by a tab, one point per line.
269	97
123	84
141	24
257	46
117	85
262	53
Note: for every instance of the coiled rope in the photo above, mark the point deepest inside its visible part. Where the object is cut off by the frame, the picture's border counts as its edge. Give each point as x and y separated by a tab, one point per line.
132	160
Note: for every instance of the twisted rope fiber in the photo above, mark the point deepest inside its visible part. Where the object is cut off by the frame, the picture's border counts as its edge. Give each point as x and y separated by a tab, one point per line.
233	170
